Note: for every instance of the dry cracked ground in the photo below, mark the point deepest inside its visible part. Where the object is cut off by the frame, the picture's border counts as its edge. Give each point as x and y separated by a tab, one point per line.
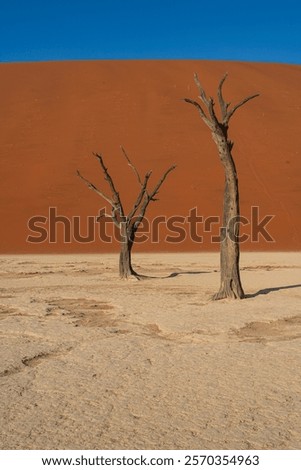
92	362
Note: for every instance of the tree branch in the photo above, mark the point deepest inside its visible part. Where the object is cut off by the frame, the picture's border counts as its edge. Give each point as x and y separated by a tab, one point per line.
159	184
201	90
112	217
132	166
241	103
94	188
140	196
150	197
213	123
102	214
116	198
142	200
209	102
223	105
200	110
214	119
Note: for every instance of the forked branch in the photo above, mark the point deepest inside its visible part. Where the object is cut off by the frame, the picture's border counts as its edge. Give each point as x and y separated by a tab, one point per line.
142	200
209	102
211	119
200	110
222	103
148	197
241	103
116	199
160	182
227	114
203	95
95	189
140	196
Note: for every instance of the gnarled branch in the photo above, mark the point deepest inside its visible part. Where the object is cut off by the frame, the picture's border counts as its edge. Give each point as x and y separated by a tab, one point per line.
200	110
160	182
209	102
203	95
210	118
148	197
140	196
142	200
241	103
116	199
94	188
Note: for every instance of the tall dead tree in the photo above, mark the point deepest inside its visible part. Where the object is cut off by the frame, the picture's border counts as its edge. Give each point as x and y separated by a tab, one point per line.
127	224
230	286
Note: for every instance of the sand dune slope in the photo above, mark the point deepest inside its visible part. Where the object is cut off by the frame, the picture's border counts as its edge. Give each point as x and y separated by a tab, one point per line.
54	115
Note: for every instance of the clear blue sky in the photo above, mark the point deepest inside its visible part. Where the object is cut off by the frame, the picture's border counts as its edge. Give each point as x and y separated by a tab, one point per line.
252	30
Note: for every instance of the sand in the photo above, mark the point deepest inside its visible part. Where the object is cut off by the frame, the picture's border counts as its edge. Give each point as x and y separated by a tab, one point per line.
92	362
54	115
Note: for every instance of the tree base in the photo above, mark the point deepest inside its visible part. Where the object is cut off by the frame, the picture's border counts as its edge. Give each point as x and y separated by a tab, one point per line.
128	274
229	291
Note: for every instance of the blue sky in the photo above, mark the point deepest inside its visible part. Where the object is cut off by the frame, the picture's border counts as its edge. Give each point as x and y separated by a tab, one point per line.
42	30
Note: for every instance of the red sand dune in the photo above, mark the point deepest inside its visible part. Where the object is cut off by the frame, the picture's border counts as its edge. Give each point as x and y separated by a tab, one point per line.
54	115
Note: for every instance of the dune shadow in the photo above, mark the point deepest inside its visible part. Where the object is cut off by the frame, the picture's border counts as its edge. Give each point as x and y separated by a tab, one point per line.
271	289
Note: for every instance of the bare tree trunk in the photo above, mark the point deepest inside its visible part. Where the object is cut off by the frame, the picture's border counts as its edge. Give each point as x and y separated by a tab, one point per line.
230	286
125	260
127	224
125	264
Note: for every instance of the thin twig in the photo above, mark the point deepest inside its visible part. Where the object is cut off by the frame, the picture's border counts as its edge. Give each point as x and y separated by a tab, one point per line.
116	198
140	196
150	197
94	188
132	166
200	110
241	103
223	105
201	90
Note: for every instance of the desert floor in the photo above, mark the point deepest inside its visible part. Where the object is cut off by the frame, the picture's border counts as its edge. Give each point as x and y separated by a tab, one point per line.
92	362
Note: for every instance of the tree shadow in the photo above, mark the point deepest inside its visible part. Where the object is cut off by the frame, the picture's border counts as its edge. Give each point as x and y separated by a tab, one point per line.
174	274
271	289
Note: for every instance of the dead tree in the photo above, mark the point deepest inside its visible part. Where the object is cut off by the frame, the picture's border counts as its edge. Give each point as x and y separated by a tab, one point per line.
230	286
127	224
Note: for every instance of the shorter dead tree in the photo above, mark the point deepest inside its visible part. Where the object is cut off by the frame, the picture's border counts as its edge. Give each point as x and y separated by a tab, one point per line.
129	223
230	286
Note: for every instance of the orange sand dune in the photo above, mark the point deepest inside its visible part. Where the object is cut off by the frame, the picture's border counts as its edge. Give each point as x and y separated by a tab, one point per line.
54	115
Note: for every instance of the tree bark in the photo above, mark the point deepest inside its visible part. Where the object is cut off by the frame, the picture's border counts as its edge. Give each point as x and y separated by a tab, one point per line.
125	261
230	284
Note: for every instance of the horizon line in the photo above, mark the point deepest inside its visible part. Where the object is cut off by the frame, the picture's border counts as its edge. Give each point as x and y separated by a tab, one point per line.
147	59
